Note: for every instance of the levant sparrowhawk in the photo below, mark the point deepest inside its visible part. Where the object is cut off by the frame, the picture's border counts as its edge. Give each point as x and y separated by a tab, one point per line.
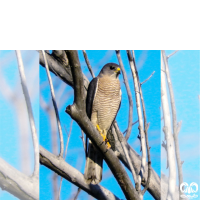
102	104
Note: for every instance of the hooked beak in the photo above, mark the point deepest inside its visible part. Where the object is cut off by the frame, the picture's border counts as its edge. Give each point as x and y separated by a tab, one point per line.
118	70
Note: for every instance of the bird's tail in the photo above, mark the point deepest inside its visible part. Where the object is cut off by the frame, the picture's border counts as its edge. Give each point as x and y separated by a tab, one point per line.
94	164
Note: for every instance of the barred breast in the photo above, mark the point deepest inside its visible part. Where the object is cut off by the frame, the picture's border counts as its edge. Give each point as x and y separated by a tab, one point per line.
106	101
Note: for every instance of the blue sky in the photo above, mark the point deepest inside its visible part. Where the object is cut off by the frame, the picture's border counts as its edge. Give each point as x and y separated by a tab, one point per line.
12	142
147	62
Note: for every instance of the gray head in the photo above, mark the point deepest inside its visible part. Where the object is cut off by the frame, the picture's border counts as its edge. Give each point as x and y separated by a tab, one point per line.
110	69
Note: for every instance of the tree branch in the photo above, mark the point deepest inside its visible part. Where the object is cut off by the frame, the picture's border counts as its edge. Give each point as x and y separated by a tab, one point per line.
132	125
88	64
123	143
55	106
60	70
17	183
146	127
154	185
130	120
172	54
59	166
147	78
168	136
30	114
141	129
176	126
65	155
78	112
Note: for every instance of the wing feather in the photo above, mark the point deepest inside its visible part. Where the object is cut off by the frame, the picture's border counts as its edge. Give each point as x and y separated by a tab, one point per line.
90	96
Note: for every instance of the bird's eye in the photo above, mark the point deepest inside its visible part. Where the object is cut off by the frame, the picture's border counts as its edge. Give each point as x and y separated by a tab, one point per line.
112	67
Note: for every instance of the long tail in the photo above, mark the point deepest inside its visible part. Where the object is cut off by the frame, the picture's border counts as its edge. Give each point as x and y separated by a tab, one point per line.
94	164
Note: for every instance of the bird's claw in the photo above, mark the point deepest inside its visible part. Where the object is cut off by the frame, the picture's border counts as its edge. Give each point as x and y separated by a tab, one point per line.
108	145
103	136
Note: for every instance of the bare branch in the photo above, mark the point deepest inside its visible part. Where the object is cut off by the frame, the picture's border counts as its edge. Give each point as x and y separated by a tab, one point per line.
129	95
132	125
61	56
176	127
59	166
78	192
65	155
171	54
30	113
88	63
140	118
154	185
123	143
78	112
164	145
146	127
17	183
60	70
147	78
68	138
55	106
168	135
83	140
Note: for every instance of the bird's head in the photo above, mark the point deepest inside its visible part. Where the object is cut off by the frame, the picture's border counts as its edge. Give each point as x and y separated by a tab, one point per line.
110	69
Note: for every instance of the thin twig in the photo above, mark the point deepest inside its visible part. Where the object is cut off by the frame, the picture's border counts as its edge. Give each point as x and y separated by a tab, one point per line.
132	125
78	192
55	106
88	63
68	138
83	140
30	113
130	119
172	54
65	154
147	78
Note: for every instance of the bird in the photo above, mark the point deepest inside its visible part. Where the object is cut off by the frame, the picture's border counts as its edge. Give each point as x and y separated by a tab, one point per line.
102	105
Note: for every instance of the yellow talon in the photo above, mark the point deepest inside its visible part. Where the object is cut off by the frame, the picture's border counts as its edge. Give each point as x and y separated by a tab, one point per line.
98	128
100	131
108	145
103	134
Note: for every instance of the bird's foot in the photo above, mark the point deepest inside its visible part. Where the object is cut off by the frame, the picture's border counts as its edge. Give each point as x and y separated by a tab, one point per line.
108	145
101	132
